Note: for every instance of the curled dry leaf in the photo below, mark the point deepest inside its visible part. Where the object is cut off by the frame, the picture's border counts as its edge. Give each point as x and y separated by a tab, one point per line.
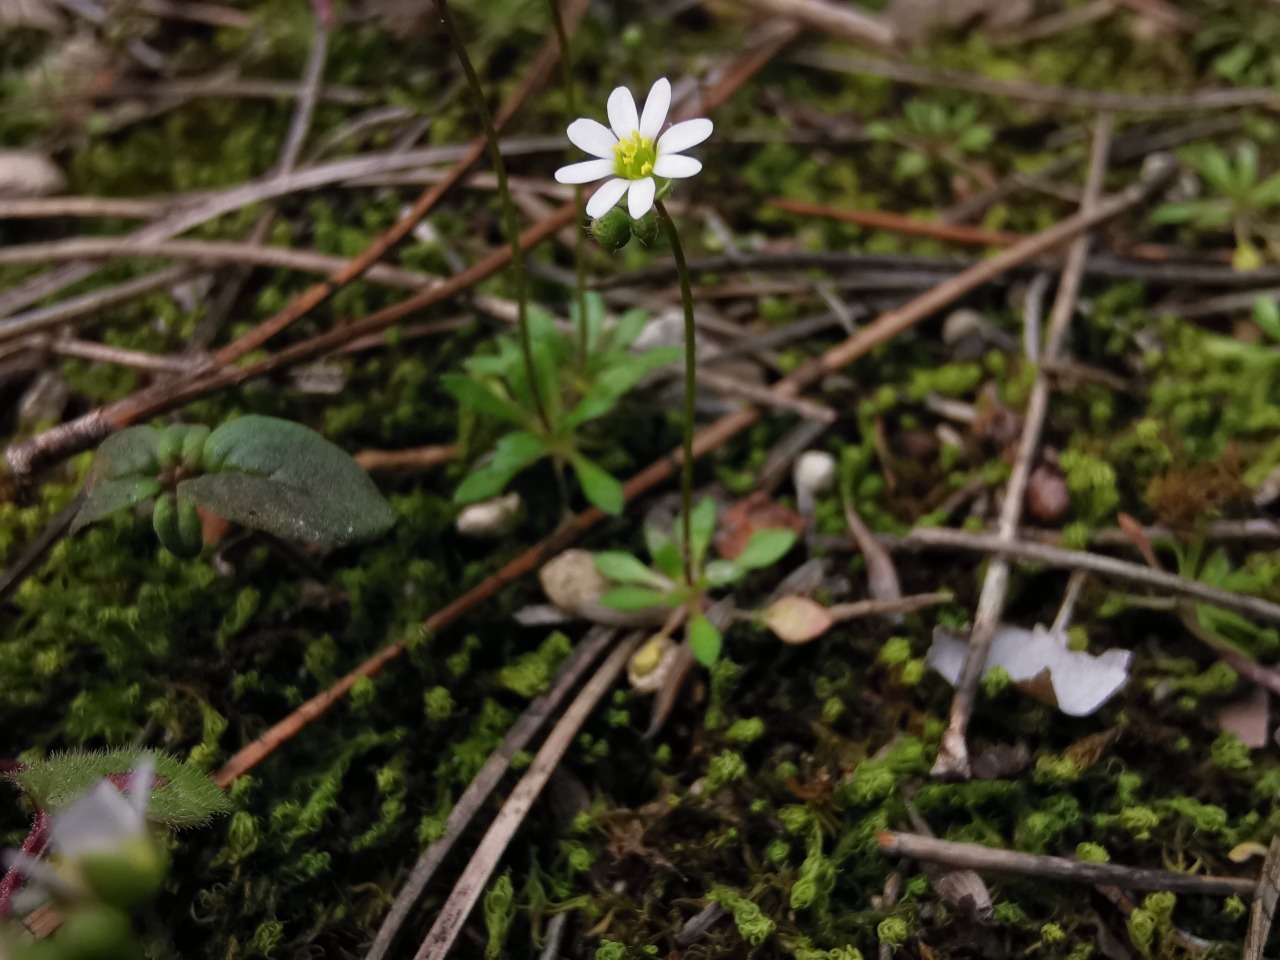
650	666
1248	717
28	173
797	619
1047	495
1039	663
749	516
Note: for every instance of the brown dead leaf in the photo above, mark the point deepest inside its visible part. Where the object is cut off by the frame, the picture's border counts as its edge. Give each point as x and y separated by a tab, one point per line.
797	619
750	515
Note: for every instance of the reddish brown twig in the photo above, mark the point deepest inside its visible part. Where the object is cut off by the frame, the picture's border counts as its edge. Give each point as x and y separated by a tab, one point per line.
419	458
897	223
886	327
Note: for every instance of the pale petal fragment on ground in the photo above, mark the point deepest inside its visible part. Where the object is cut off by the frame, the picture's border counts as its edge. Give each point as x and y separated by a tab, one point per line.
1040	664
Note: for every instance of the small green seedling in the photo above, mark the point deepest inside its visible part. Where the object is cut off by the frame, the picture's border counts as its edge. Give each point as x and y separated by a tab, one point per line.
575	391
1242	199
931	134
261	472
640	587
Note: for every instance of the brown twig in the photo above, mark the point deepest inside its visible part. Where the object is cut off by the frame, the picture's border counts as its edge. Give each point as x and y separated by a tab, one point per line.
763	397
882	220
1051	556
465	893
419	458
953	753
838	21
478	791
1056	96
38	208
73	308
972	856
1263	910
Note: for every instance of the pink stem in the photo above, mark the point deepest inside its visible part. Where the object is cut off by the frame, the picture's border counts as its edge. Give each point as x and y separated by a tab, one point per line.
33	846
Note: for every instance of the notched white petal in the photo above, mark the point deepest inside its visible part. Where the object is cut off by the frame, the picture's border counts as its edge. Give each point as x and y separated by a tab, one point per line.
622	112
602	200
655	109
640	197
1039	663
675	167
100	820
684	135
584	172
593	137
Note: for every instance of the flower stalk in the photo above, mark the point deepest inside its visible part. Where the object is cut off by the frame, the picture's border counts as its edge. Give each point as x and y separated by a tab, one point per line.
690	389
510	222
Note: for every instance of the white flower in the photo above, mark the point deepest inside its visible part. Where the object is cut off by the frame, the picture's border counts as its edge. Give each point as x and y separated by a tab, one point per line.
105	819
633	153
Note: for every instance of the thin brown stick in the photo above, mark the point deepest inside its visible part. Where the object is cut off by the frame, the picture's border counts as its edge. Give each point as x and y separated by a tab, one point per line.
478	791
212	14
972	856
104	353
953	753
1056	96
73	308
38	208
419	458
835	20
1063	559
1263	911
882	220
764	397
449	921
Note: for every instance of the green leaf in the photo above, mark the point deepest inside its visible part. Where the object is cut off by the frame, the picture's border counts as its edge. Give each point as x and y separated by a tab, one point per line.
632	599
182	797
1267	193
1266	314
515	451
909	165
622	567
1215	167
480	398
595	318
765	548
485	481
547	369
976	139
109	496
720	572
664	551
594	405
130	452
1246	168
628	328
279	476
599	486
702	527
704	640
1171	213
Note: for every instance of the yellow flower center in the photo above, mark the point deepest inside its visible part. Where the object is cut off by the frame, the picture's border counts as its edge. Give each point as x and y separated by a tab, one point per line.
634	157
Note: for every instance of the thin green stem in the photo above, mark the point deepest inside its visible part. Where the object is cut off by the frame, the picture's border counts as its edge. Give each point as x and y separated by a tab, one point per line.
690	389
510	222
579	244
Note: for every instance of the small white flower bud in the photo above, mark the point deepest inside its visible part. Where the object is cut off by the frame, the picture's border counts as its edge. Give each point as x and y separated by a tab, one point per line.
815	471
490	518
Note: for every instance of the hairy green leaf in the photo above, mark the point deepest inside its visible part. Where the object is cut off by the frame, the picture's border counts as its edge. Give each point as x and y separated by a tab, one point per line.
109	496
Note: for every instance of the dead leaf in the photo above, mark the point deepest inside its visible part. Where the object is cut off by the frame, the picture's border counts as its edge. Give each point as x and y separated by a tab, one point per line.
797	619
1248	717
28	173
1039	663
746	517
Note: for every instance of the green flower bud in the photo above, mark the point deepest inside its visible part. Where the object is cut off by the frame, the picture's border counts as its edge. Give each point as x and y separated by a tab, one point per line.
193	446
95	932
127	875
646	229
169	447
613	230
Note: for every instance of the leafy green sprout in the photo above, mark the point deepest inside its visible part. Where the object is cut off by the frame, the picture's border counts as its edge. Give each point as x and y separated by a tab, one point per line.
1241	198
932	134
576	390
641	587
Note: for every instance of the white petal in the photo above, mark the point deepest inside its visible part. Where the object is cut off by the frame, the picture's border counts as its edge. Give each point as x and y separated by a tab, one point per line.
622	112
100	820
684	135
584	172
602	200
655	109
37	871
140	785
674	166
640	198
593	137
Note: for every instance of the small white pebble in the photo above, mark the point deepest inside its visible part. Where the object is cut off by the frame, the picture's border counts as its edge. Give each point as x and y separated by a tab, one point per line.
490	518
815	471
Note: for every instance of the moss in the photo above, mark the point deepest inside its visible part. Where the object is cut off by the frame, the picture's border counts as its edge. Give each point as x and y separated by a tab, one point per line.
747	730
751	922
894	931
1092	853
725	767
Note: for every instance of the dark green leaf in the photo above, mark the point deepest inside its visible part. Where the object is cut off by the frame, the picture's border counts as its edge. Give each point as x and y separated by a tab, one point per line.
109	496
628	328
702	525
704	641
479	397
631	599
130	452
598	486
765	548
278	476
622	567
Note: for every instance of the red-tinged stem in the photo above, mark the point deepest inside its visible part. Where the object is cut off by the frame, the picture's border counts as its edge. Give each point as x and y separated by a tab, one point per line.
33	846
